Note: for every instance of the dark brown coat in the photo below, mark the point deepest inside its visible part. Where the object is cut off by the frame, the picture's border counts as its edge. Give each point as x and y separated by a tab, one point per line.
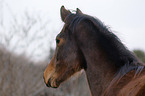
86	43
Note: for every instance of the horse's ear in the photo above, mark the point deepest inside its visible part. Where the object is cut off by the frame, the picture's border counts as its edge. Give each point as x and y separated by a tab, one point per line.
64	13
79	11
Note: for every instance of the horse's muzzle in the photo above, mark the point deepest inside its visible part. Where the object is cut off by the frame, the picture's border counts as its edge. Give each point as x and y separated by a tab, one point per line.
51	83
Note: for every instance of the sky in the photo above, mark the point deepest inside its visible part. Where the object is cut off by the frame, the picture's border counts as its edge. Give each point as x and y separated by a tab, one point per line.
126	18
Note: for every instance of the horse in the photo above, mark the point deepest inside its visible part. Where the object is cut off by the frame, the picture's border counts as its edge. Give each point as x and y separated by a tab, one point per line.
85	43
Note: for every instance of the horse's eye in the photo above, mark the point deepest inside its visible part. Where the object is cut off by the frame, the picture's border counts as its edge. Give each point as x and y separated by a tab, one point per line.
57	41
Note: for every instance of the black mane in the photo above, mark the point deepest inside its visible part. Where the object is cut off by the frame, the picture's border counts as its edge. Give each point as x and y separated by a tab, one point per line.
123	59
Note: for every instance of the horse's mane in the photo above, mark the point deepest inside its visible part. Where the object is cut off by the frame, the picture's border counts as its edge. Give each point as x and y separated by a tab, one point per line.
115	50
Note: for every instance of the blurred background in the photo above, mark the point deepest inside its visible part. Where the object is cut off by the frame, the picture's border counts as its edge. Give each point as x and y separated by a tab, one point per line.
27	40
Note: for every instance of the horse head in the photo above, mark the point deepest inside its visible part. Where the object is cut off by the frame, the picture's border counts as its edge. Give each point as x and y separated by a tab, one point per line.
67	59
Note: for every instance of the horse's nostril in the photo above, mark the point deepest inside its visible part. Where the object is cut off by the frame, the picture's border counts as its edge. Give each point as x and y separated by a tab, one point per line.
48	84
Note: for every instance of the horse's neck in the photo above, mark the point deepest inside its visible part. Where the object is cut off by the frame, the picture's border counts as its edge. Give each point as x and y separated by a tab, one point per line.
99	71
98	81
